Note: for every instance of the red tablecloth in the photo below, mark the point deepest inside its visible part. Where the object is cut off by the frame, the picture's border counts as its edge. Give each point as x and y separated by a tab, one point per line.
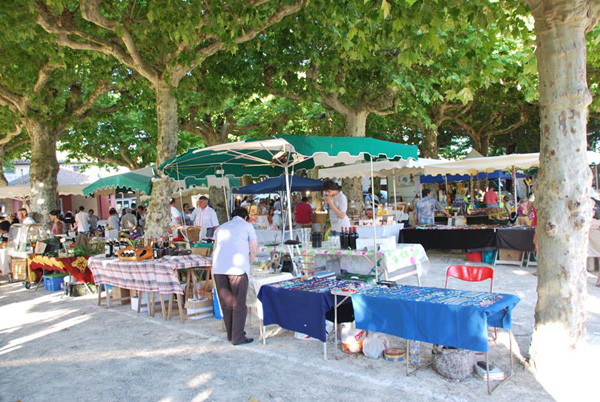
76	266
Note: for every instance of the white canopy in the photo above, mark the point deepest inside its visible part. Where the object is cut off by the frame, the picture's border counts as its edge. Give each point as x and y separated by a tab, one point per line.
493	163
380	168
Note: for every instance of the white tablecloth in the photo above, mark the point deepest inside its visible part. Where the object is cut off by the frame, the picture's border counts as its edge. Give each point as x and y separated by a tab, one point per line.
258	279
366	231
4	262
406	257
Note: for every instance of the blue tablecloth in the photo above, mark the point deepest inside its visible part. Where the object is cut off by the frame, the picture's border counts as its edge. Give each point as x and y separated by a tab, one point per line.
447	317
299	305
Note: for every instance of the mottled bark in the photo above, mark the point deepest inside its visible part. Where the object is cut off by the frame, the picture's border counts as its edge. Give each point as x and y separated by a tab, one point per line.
429	144
3	181
217	202
356	122
43	171
482	144
563	186
352	188
159	216
246	180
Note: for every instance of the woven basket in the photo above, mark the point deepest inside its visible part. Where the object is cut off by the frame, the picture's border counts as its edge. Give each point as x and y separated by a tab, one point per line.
192	233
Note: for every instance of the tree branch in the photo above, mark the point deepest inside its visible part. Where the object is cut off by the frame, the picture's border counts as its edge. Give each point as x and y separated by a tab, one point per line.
44	75
87	41
17	144
86	106
12	100
512	127
179	70
12	134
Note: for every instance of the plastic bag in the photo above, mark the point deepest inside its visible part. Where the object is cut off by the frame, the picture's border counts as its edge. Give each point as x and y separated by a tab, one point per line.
374	345
352	338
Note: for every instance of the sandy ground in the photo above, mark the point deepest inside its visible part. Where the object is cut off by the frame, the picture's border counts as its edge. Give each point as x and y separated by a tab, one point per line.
57	348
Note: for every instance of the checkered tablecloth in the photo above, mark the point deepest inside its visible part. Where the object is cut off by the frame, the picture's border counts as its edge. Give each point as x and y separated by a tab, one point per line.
146	275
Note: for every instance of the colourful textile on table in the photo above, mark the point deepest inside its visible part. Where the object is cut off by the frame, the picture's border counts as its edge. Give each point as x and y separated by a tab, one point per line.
146	275
405	255
447	317
299	305
76	266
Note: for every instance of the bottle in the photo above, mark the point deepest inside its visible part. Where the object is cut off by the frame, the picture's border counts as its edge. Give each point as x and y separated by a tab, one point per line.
415	352
353	237
343	240
154	249
108	250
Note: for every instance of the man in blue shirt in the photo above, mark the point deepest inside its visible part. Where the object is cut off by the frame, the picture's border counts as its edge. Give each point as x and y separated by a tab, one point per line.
425	209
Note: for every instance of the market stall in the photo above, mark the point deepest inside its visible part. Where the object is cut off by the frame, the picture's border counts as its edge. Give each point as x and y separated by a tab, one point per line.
151	276
450	237
74	266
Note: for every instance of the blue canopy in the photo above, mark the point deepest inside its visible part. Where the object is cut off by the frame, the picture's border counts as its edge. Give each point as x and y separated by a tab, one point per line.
277	184
452	178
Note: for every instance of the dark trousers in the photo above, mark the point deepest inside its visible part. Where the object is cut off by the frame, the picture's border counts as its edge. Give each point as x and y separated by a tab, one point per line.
232	291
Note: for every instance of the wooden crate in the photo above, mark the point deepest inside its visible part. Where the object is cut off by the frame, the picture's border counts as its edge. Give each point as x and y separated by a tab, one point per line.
18	267
120	296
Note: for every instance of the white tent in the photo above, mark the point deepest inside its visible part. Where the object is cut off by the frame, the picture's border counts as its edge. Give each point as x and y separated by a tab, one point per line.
493	163
380	168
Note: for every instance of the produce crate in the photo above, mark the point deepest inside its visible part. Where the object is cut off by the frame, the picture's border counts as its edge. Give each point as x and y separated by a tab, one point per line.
18	267
474	256
54	282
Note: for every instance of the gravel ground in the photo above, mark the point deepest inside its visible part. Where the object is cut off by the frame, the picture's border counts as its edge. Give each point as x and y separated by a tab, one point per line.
55	348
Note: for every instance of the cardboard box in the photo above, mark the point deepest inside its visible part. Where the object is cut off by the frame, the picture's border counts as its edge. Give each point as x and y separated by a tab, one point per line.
509	255
199	309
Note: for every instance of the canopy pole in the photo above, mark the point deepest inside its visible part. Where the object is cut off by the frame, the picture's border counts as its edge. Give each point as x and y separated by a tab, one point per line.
514	178
224	191
395	200
289	198
499	191
375	223
446	192
472	192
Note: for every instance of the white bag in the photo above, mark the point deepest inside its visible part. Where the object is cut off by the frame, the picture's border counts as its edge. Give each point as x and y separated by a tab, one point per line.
374	345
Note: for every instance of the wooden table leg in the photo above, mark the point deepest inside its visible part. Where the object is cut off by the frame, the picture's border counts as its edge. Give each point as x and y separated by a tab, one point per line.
170	306
139	295
180	307
107	297
152	303
99	290
162	307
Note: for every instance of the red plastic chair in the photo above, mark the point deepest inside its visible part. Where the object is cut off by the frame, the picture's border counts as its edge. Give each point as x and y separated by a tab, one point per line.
472	273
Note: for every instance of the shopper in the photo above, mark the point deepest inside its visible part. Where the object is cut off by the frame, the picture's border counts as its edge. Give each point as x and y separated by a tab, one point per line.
425	209
176	217
58	226
303	213
206	217
93	220
490	198
235	249
113	219
128	220
82	221
338	205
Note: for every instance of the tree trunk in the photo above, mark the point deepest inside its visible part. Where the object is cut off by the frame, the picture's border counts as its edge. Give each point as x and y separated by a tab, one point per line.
217	202
3	181
43	171
429	145
482	144
356	123
159	216
563	187
352	188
